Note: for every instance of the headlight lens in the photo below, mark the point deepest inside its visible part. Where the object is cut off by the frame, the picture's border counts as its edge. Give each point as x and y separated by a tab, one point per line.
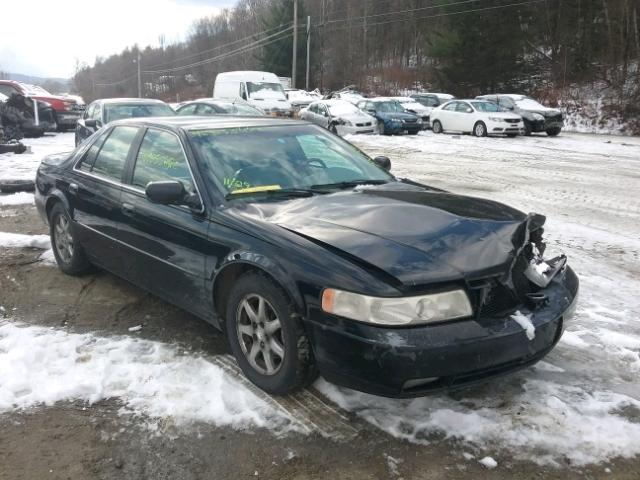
539	117
434	307
68	105
396	119
495	119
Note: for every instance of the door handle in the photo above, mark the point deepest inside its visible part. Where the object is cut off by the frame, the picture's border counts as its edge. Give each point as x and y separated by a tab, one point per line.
73	188
127	208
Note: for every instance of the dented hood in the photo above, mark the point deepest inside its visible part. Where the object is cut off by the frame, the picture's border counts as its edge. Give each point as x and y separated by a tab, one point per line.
416	235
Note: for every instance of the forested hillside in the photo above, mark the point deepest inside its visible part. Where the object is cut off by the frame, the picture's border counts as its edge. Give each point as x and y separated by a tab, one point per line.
565	51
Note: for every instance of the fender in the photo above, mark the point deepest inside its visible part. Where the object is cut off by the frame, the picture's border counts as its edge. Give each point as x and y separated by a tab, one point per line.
53	195
245	258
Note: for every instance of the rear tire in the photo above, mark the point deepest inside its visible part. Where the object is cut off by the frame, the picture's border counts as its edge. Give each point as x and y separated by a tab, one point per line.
67	251
480	129
267	337
436	126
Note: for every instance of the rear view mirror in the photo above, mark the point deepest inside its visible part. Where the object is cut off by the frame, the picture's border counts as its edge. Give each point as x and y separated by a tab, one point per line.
383	162
170	192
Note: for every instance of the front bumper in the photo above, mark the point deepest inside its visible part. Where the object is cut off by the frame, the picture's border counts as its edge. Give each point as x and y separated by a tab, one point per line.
355	130
413	361
67	119
505	128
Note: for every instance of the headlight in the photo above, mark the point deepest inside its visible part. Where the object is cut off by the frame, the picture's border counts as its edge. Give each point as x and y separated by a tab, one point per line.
395	119
419	120
68	105
430	308
495	119
538	117
345	122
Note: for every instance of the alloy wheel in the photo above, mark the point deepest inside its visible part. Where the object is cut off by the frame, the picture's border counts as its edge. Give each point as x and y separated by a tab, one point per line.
479	130
63	238
260	334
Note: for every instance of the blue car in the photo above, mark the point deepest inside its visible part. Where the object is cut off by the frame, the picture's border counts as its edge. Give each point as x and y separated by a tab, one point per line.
392	117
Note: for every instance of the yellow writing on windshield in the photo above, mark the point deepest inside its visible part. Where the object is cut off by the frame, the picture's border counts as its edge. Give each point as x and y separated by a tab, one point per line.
261	188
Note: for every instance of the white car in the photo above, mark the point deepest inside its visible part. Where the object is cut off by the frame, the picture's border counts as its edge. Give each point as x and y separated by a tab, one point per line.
340	117
479	117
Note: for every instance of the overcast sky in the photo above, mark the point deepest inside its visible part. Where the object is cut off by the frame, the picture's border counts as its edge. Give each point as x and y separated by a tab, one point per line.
45	38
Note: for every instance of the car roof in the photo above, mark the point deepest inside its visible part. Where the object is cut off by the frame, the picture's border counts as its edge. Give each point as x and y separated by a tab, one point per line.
334	101
514	96
130	100
382	99
189	122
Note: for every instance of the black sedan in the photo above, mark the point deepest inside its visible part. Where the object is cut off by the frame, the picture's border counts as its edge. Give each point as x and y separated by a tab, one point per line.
308	254
101	112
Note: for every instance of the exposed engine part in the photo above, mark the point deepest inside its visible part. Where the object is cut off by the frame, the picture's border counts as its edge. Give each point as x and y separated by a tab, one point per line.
18	119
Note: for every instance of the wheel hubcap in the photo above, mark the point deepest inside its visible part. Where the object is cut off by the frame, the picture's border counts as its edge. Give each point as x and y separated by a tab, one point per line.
260	334
63	238
479	130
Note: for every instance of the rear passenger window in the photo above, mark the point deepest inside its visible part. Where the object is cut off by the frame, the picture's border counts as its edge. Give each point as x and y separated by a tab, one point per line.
113	154
161	158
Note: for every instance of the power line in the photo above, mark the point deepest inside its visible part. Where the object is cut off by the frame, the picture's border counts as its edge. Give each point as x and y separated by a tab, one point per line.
124	80
203	52
256	44
411	10
495	7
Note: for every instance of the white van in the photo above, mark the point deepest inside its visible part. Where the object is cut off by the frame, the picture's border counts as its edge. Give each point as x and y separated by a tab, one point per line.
260	89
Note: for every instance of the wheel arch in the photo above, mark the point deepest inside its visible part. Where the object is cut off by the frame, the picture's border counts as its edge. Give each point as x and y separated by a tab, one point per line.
243	263
54	197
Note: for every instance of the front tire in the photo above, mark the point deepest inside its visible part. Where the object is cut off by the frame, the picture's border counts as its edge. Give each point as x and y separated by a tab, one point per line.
266	336
553	132
67	251
381	129
436	126
333	129
480	129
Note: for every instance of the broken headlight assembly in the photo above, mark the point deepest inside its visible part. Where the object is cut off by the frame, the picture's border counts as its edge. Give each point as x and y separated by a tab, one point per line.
397	311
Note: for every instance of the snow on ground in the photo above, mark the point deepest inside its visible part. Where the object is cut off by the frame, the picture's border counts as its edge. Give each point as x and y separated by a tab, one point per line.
20	198
583	403
23	166
40	365
18	240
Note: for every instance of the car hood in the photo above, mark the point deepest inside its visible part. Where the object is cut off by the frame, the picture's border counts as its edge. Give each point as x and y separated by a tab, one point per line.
416	235
402	115
356	117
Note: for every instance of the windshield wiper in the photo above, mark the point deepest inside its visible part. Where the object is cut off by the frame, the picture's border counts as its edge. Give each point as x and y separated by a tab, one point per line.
281	192
349	184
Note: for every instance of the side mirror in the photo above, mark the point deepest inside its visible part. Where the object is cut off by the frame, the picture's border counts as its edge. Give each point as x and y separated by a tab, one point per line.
469	110
383	162
170	192
371	111
91	123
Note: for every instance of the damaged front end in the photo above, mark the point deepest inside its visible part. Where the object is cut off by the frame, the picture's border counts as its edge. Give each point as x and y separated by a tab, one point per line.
524	282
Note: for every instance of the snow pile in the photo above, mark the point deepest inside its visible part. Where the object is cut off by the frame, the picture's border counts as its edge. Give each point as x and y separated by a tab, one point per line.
535	420
25	165
41	365
20	198
525	322
47	258
18	240
488	462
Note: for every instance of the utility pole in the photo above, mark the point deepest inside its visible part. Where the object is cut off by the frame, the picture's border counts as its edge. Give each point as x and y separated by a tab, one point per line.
308	50
322	46
139	77
294	62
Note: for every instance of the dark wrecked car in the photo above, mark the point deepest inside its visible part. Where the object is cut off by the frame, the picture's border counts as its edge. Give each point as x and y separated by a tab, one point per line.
536	117
17	117
308	254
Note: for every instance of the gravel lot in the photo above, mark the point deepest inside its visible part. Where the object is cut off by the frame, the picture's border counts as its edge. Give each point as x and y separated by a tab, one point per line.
83	396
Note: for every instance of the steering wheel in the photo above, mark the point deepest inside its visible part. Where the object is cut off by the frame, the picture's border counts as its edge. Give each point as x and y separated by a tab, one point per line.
316	162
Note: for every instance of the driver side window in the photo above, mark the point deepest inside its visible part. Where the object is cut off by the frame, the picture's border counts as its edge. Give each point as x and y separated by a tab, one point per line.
161	158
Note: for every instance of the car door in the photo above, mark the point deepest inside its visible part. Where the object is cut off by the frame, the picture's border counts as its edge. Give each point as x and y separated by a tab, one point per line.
166	244
94	195
465	117
323	117
446	115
